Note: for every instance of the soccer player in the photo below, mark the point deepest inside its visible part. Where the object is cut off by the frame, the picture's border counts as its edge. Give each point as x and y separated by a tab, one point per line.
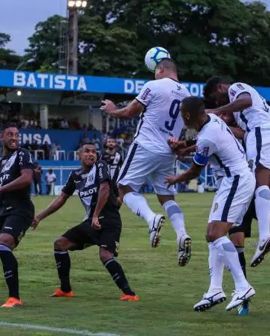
114	161
150	157
252	114
16	208
113	158
101	226
217	145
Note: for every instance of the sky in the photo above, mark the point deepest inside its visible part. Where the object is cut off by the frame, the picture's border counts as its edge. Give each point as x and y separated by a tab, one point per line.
19	17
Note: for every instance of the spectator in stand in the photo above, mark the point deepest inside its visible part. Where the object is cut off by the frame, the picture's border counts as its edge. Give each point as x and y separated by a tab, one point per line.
97	143
34	145
64	124
37	178
47	150
50	180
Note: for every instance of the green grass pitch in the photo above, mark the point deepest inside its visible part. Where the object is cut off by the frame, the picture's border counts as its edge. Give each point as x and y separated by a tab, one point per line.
168	292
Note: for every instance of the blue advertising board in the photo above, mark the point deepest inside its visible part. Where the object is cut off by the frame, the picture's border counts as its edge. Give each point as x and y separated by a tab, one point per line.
65	139
91	84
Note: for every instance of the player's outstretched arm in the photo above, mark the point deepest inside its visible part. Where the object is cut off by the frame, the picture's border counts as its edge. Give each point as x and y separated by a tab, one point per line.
191	173
243	102
56	204
132	110
182	147
103	195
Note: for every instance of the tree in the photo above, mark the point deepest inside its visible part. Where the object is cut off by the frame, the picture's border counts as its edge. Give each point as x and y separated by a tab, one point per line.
44	46
105	46
8	58
205	37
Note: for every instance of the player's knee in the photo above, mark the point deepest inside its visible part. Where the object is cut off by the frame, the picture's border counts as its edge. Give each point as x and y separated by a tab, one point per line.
60	244
7	240
263	192
211	235
105	255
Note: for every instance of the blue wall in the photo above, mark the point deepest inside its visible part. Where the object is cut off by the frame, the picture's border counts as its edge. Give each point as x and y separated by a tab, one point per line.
68	140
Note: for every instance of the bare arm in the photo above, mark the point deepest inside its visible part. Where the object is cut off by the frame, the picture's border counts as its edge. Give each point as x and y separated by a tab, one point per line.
191	173
133	109
56	204
186	151
241	103
24	180
103	195
182	147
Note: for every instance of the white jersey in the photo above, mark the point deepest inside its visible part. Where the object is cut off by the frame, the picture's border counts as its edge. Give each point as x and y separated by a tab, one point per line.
217	145
257	115
161	118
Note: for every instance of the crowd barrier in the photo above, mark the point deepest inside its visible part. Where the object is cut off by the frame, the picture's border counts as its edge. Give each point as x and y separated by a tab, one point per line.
62	169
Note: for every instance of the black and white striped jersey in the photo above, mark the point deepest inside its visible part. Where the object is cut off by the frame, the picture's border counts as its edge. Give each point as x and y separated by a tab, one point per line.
87	184
10	169
114	162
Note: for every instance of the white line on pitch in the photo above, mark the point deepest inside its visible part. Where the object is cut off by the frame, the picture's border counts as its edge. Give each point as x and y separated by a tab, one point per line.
27	326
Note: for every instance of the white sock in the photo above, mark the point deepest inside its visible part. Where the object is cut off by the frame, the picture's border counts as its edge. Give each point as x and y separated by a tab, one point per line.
231	260
138	205
262	205
216	267
176	217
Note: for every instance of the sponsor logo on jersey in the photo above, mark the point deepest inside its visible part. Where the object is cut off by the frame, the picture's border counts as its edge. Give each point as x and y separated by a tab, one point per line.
232	92
88	192
240	86
251	164
215	207
145	93
203	151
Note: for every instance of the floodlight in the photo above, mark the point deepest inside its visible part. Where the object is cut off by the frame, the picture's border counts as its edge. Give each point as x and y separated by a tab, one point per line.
77	3
71	3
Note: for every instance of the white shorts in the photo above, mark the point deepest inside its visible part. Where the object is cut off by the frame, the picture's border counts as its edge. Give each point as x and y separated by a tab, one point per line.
232	198
258	147
142	166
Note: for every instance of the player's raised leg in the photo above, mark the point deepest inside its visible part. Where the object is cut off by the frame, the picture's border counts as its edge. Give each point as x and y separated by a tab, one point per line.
137	203
140	164
176	216
262	205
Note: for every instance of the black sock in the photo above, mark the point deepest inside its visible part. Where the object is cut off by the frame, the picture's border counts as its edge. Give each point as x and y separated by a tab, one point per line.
242	259
10	267
63	267
118	275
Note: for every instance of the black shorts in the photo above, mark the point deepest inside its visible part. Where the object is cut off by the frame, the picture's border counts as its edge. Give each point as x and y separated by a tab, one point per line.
108	237
15	224
246	223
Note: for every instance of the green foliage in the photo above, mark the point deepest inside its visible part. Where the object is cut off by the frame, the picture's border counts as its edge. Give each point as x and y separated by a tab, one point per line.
205	37
44	45
8	58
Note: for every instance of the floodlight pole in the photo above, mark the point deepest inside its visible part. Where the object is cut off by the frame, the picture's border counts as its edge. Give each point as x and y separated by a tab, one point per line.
72	59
